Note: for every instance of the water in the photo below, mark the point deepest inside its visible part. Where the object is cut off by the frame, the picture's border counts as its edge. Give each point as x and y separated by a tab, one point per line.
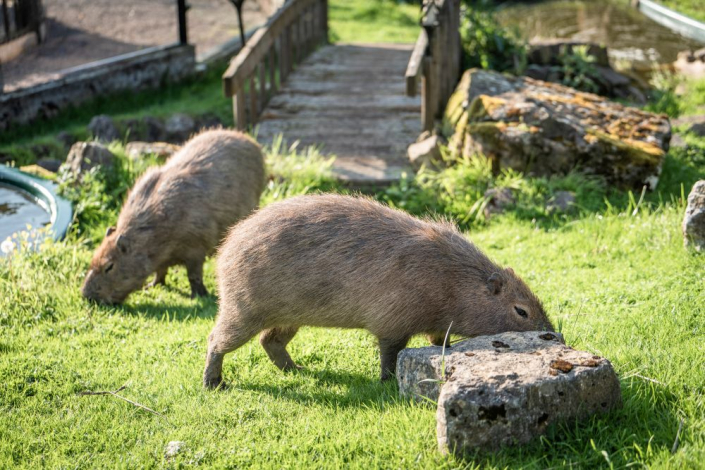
629	35
17	209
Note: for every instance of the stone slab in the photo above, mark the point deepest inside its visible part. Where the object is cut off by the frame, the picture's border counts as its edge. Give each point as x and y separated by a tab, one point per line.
499	390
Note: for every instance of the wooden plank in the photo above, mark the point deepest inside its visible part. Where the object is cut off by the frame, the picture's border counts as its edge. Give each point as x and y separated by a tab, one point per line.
262	79
271	64
239	110
415	67
254	110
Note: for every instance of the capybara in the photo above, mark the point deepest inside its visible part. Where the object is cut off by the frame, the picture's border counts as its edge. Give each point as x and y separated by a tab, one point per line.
177	214
350	262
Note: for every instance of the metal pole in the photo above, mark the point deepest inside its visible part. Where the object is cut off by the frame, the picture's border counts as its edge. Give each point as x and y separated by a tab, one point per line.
181	7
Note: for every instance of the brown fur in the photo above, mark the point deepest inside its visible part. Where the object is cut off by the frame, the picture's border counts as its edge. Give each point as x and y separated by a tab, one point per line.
337	261
177	214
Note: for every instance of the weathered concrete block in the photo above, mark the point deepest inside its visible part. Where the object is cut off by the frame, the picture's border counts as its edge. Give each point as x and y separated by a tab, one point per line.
694	220
506	389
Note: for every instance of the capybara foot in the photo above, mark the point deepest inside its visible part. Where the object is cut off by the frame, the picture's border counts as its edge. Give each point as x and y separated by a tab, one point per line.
214	383
198	290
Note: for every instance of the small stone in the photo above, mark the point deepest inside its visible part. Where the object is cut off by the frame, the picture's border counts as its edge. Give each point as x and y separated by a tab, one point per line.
85	155
50	164
154	129
163	150
499	199
425	152
698	129
66	139
103	128
562	201
694	220
173	448
495	400
179	128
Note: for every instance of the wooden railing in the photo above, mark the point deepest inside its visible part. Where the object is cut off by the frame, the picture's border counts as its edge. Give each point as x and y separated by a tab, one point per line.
20	17
260	68
436	59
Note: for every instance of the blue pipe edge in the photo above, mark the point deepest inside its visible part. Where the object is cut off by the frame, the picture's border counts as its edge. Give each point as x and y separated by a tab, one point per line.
44	191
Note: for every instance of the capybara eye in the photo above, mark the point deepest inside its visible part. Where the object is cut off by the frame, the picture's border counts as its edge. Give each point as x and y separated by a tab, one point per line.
107	269
521	312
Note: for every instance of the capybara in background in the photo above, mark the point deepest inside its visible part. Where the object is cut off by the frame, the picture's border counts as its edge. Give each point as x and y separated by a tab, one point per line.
348	262
177	214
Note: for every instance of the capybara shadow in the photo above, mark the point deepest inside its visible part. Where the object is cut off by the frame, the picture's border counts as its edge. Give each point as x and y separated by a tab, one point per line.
350	262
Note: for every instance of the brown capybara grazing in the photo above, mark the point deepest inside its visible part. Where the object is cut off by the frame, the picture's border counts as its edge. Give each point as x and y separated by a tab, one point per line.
177	214
348	262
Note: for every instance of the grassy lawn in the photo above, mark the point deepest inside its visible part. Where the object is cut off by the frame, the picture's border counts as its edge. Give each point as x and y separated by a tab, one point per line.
692	8
617	279
613	273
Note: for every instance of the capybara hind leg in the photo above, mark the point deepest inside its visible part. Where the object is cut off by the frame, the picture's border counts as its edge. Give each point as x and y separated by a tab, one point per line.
274	341
195	278
220	342
437	339
388	350
159	278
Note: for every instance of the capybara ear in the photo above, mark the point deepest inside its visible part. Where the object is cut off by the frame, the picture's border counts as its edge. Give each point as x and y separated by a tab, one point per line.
494	283
109	231
123	243
510	270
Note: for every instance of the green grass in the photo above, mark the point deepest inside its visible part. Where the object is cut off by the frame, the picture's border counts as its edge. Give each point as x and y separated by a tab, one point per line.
388	21
613	273
692	8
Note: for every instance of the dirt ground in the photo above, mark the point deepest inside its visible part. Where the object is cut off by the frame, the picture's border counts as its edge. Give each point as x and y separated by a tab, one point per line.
81	31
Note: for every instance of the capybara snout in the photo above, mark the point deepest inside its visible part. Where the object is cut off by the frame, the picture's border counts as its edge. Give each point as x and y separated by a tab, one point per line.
338	261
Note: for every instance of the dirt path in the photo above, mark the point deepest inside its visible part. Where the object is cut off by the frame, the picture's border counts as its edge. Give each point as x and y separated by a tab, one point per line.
81	31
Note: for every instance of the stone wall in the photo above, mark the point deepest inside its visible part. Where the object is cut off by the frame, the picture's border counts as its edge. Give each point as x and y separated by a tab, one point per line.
139	70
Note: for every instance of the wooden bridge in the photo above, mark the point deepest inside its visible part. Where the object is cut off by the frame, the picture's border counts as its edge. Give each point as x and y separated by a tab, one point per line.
358	102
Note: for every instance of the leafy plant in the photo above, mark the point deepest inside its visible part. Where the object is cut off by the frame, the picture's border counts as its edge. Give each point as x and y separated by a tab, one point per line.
578	68
488	45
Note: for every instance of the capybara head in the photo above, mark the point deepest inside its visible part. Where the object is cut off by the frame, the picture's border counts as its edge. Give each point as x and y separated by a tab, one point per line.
507	304
117	269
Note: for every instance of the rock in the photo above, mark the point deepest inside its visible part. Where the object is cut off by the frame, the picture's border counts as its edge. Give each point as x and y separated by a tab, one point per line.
173	448
694	220
562	201
179	128
698	129
506	389
545	129
208	121
103	128
498	200
50	164
154	130
162	150
426	152
691	63
86	155
65	139
548	51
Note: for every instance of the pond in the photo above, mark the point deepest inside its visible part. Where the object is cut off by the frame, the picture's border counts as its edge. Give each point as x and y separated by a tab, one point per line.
19	208
629	35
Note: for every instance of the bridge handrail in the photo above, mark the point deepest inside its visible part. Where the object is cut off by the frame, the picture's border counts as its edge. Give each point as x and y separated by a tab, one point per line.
289	36
436	59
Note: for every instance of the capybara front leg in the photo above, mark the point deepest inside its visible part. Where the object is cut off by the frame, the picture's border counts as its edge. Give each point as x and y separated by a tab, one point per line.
195	278
274	341
220	342
159	278
388	350
437	339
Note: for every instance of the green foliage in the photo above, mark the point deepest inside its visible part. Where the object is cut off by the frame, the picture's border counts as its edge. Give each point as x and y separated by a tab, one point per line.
373	21
488	45
663	97
578	69
295	171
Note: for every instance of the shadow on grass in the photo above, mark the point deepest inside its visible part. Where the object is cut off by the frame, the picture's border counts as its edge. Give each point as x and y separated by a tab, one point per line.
202	307
360	389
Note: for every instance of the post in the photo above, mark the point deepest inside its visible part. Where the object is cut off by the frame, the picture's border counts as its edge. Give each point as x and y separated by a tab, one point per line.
183	31
6	20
